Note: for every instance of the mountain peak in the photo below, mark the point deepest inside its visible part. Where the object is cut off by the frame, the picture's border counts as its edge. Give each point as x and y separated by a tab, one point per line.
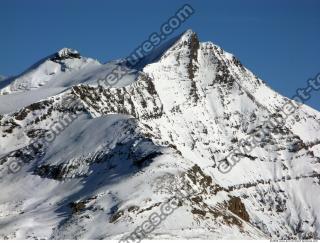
100	160
188	33
47	69
188	37
66	53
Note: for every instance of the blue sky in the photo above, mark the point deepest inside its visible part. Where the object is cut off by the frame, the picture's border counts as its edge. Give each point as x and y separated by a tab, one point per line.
277	40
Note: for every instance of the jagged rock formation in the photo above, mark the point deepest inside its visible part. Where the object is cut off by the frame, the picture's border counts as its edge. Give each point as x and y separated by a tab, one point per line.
110	157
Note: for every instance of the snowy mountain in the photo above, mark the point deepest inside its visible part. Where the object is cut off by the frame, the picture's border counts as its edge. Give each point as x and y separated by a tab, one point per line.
64	61
84	161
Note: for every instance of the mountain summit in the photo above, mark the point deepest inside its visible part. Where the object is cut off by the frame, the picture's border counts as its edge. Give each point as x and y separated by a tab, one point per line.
84	161
64	61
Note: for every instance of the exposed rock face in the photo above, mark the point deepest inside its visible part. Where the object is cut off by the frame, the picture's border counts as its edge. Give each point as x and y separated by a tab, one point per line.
118	154
65	53
237	207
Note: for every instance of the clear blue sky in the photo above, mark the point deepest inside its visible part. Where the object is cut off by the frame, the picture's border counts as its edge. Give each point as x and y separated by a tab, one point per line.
277	40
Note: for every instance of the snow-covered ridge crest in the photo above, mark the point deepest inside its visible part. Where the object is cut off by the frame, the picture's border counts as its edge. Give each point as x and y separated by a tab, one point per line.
65	52
64	61
118	161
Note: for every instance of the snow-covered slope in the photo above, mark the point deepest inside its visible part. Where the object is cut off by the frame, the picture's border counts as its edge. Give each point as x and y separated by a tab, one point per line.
65	60
54	75
120	153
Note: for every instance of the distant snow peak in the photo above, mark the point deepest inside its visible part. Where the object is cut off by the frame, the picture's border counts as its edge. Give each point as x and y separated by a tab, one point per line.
52	70
188	34
66	53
